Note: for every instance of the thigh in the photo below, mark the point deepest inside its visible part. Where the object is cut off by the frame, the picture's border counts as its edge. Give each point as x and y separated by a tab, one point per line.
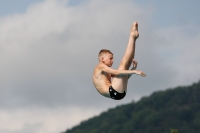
120	83
123	66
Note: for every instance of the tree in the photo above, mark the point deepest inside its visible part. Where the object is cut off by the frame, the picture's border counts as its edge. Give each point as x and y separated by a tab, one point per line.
173	131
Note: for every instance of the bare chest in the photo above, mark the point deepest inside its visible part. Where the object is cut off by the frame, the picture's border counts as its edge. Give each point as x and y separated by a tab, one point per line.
107	76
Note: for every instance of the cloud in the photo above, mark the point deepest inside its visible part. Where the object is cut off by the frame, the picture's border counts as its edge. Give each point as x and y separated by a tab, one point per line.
49	50
47	59
42	120
48	54
180	51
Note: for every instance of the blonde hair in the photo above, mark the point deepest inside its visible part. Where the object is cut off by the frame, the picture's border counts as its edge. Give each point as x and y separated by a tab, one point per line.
103	52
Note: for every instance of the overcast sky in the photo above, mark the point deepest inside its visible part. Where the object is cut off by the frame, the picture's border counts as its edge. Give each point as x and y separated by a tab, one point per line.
48	49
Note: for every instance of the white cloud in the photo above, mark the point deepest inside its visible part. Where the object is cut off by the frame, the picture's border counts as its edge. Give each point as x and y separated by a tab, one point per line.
52	46
47	58
43	120
48	54
179	50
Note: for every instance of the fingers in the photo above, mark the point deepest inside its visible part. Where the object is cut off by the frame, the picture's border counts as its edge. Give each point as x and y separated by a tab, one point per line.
143	74
134	61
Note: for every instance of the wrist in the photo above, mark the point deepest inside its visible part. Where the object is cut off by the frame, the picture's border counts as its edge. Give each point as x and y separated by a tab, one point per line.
134	71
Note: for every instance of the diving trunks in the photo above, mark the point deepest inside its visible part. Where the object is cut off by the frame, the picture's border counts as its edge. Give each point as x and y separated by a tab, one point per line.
116	95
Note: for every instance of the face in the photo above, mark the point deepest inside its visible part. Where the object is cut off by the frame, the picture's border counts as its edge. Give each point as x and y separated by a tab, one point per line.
108	59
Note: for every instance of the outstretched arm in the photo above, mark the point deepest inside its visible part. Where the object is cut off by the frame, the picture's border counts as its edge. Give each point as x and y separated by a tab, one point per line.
119	73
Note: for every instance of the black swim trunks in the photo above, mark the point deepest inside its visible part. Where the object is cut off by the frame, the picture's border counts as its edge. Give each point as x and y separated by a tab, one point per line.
116	95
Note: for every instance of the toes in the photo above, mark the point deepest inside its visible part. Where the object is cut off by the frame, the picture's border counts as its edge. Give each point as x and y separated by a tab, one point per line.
135	25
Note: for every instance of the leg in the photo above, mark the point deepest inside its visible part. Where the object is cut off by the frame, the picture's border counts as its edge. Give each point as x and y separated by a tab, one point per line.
120	83
130	50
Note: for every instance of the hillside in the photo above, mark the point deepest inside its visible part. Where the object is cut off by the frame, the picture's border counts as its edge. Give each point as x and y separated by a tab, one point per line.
177	108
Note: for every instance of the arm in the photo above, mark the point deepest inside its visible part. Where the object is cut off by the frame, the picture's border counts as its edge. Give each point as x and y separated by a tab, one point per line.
130	74
120	73
134	67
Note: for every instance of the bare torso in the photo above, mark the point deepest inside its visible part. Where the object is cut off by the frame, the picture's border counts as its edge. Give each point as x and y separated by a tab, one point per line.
102	81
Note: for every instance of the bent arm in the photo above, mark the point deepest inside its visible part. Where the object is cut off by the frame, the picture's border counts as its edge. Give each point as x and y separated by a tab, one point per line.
120	73
131	74
134	67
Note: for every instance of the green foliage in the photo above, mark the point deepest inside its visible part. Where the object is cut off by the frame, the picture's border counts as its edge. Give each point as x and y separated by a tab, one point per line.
177	108
173	131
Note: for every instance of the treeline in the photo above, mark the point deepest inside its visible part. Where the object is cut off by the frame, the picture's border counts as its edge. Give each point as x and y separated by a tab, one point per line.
174	110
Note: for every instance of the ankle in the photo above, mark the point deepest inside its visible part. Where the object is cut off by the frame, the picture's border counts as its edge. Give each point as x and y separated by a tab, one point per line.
133	37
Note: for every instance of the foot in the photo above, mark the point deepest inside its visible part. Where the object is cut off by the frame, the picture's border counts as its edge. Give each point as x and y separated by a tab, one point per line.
134	30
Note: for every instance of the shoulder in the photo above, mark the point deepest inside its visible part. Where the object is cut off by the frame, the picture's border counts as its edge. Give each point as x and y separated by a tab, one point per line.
101	66
101	69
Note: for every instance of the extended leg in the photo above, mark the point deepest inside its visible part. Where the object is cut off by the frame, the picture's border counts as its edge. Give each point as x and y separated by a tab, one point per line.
130	50
120	83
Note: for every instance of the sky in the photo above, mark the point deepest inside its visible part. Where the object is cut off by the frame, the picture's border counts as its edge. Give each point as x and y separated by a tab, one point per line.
49	48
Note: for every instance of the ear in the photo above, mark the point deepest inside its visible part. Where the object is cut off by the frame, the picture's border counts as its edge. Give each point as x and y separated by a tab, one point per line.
102	58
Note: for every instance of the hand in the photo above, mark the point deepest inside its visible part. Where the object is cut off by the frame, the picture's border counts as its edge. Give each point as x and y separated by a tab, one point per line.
141	73
134	64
